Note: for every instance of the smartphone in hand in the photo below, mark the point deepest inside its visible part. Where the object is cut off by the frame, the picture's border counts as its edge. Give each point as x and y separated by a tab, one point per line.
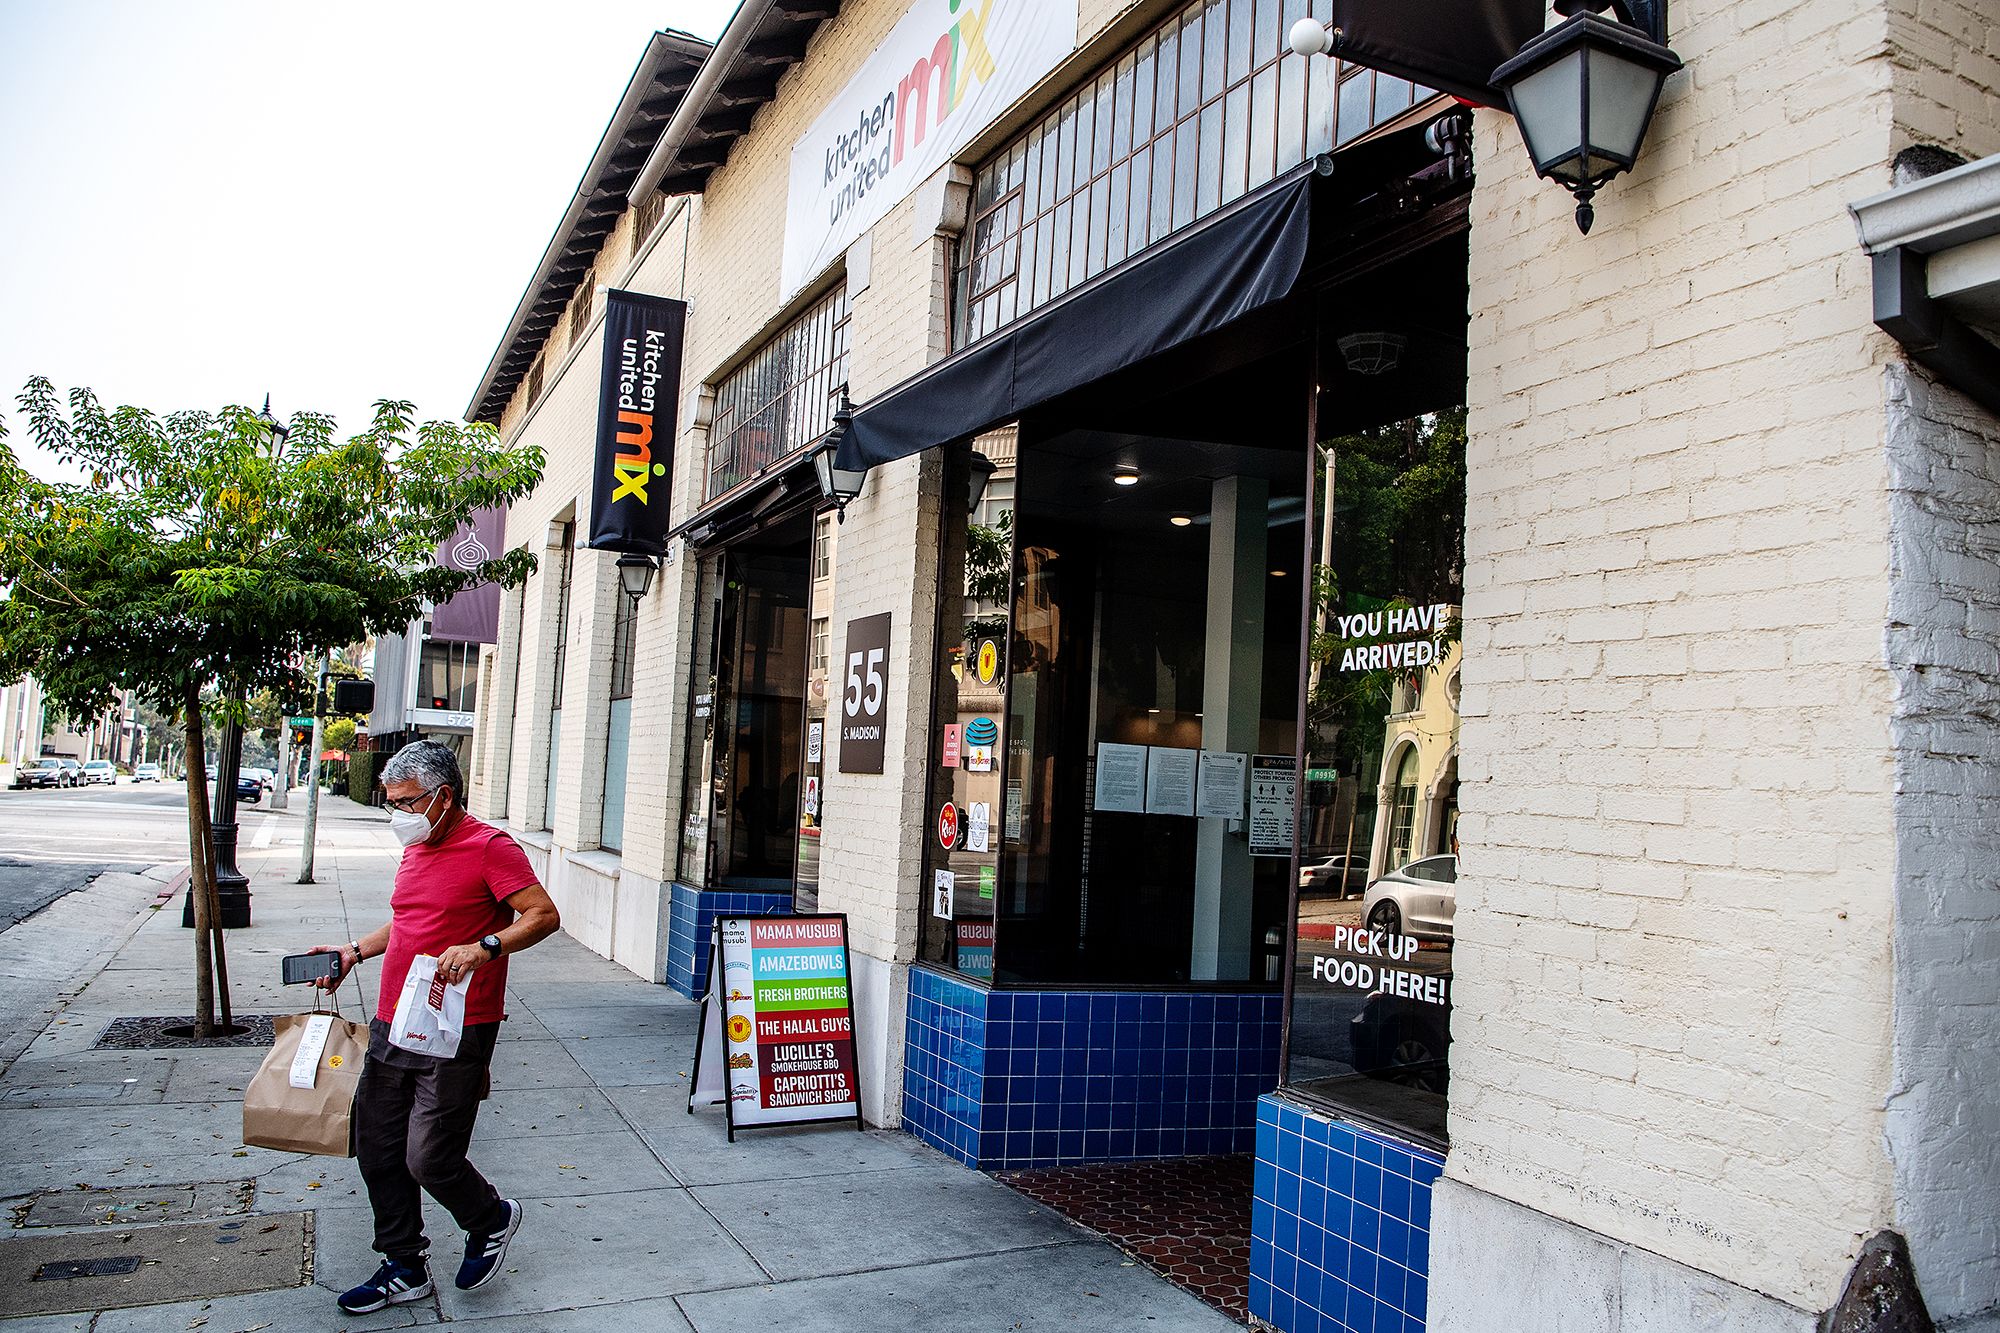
303	968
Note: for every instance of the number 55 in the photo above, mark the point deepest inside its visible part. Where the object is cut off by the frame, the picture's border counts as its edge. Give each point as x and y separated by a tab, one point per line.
854	702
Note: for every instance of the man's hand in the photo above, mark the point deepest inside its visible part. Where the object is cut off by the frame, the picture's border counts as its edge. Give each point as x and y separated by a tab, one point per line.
349	960
459	961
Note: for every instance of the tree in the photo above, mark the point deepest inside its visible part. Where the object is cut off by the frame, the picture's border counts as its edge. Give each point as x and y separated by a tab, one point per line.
339	735
211	552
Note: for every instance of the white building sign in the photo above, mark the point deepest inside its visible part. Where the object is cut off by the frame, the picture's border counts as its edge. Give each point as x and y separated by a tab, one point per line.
945	71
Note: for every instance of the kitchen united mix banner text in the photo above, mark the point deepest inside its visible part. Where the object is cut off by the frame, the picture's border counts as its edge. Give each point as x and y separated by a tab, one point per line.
945	71
632	472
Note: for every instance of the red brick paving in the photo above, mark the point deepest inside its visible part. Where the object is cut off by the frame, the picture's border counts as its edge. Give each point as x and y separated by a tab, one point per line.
1186	1218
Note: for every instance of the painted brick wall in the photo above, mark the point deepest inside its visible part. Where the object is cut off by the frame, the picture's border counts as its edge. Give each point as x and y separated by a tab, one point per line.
1944	643
1671	1022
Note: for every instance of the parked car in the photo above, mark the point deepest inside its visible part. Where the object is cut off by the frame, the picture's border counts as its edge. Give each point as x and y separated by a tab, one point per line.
101	770
73	767
1334	874
146	773
249	788
41	773
1418	899
1401	1040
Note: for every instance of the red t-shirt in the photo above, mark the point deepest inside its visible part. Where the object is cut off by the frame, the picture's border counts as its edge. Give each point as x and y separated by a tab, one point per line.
452	893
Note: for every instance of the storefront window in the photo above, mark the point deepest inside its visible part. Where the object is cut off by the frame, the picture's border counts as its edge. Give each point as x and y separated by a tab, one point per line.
1110	805
618	733
745	784
969	761
1206	108
1379	829
812	799
565	569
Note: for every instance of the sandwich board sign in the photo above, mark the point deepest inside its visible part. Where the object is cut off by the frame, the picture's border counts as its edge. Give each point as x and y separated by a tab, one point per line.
776	1041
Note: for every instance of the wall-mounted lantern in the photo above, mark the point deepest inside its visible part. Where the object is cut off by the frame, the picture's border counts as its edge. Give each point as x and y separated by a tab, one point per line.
837	485
1583	92
635	575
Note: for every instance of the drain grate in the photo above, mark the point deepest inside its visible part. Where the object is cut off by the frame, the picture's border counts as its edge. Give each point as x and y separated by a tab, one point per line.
62	1270
153	1034
107	1269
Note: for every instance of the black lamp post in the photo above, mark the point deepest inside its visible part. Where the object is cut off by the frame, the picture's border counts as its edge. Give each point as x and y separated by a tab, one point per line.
1583	92
837	485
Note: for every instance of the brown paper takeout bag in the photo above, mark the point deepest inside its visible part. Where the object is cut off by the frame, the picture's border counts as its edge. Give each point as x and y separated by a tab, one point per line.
319	1119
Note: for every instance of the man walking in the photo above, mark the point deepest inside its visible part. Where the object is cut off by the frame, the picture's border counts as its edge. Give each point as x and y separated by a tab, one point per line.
466	895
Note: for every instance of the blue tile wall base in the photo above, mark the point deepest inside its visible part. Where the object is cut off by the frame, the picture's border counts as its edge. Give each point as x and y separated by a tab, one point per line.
1339	1224
691	928
1003	1079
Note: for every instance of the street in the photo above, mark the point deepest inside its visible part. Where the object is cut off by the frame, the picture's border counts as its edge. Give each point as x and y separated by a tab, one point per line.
54	842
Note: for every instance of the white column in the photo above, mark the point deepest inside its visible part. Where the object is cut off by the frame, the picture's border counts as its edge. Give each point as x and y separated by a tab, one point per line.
1232	695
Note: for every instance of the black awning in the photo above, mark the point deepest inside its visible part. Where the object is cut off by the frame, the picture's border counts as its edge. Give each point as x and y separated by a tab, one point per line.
1453	45
767	499
1231	265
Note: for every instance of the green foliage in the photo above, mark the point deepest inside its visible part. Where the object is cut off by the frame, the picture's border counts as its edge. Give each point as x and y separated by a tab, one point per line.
362	768
338	734
1399	541
201	553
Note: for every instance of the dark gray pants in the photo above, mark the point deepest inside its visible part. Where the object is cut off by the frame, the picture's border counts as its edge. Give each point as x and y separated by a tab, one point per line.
412	1125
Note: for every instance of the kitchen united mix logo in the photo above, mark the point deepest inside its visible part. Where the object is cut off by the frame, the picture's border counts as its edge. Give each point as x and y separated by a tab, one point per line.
897	121
639	374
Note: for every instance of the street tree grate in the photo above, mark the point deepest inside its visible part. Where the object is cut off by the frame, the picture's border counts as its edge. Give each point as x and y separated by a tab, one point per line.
158	1034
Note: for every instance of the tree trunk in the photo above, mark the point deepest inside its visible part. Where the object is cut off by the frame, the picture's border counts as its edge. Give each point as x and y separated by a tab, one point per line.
201	885
217	935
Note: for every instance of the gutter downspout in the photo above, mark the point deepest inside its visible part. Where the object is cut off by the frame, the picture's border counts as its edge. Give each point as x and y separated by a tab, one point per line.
1901	229
708	80
1935	338
636	91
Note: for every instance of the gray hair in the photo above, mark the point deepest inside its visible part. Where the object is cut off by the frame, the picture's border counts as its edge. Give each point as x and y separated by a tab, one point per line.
429	763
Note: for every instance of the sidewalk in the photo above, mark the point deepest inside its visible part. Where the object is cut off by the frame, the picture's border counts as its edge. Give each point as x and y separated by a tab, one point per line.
632	1202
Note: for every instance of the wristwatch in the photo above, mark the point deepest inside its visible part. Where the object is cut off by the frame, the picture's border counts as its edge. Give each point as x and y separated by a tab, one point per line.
490	943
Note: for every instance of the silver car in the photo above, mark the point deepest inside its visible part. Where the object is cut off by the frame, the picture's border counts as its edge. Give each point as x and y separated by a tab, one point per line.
100	770
1334	874
1418	899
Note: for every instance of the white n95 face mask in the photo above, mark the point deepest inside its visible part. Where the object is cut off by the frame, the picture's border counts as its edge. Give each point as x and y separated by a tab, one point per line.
410	828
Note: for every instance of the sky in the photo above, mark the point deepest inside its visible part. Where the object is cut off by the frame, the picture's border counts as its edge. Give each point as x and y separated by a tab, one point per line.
204	201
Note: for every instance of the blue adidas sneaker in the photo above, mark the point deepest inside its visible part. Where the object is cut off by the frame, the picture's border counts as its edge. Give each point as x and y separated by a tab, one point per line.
485	1251
394	1283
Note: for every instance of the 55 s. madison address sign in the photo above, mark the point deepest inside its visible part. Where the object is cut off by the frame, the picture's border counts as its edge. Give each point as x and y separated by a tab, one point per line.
864	694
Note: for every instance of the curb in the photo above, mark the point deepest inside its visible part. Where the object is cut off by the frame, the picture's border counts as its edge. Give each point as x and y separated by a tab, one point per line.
17	1042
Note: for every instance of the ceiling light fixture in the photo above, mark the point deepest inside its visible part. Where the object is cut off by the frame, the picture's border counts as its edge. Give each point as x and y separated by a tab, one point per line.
1126	476
1181	520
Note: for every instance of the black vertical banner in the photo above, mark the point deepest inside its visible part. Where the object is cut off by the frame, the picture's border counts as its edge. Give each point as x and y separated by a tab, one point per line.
638	411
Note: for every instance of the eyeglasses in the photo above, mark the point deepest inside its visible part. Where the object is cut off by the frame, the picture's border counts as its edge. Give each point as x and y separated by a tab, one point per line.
409	805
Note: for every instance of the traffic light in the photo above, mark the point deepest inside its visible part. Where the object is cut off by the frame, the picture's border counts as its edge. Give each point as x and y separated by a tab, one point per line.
302	736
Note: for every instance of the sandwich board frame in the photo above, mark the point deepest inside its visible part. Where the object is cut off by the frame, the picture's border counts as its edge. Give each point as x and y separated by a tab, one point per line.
732	949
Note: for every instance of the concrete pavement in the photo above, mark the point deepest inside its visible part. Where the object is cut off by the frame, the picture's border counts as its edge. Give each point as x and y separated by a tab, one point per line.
637	1211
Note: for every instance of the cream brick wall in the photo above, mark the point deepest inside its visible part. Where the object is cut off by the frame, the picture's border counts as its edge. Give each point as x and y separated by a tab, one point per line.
1671	1013
1945	72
